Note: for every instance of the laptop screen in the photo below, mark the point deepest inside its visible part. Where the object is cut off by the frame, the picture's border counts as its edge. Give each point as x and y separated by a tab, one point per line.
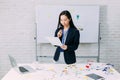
12	61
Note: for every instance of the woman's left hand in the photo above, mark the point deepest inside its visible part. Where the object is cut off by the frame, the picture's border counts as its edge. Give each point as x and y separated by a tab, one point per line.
64	47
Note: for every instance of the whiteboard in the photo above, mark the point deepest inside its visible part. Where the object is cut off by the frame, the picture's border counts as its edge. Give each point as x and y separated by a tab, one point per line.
85	18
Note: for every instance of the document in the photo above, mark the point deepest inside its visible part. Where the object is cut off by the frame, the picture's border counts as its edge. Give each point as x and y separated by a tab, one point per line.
54	41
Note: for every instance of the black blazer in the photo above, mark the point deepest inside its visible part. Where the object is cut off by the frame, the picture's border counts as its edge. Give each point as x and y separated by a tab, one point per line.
72	42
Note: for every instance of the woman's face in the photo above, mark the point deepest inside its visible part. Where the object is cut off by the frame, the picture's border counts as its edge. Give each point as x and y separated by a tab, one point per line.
64	20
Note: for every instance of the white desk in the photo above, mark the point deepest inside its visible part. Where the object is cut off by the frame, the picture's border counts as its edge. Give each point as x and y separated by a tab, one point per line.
62	72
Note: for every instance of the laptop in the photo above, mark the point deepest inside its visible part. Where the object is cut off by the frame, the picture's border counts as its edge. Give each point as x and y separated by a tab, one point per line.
20	69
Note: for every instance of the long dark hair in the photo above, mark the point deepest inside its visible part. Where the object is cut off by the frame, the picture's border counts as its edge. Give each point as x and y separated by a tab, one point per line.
66	13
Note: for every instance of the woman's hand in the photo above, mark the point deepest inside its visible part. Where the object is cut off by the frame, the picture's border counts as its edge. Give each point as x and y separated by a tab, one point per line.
64	47
59	34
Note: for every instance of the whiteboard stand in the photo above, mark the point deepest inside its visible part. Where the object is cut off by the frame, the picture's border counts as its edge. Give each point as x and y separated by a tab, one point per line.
99	38
35	38
36	49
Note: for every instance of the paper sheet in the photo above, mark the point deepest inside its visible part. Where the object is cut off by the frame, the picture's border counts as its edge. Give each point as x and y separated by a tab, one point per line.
54	41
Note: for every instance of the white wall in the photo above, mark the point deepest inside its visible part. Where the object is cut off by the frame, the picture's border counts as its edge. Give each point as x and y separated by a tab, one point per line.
17	31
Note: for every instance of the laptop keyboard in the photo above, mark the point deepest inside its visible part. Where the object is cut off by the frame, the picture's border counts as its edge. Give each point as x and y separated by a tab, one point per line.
22	69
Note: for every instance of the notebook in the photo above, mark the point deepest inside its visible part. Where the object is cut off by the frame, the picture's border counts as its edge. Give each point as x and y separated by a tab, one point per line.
20	69
95	76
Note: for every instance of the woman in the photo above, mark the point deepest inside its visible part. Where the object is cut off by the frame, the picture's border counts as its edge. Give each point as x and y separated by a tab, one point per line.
69	36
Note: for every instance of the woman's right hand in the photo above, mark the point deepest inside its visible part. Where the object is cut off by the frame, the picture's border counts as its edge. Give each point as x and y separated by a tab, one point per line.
59	34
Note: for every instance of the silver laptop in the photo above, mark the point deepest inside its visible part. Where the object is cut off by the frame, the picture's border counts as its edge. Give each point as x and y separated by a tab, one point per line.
21	69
